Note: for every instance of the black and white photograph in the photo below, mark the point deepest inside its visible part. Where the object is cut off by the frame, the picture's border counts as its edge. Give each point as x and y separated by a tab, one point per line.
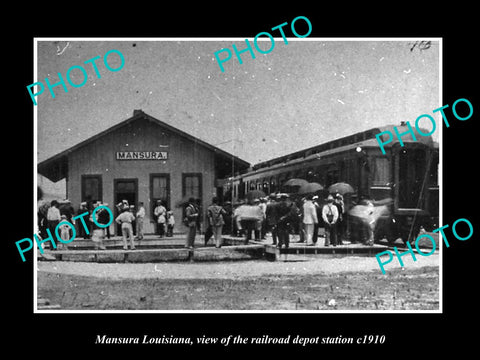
298	175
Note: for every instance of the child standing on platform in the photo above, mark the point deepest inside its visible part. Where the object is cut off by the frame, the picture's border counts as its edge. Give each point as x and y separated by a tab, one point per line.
170	223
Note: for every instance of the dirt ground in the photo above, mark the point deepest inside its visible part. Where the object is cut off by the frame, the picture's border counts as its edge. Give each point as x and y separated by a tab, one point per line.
297	283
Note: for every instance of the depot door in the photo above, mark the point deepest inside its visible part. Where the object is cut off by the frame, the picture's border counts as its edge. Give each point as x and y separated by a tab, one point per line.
124	189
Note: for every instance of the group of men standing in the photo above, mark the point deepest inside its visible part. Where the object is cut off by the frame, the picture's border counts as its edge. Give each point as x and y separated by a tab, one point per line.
51	214
282	216
277	214
331	214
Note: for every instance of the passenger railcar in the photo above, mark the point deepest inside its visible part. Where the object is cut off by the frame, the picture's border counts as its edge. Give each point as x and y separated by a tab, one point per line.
406	174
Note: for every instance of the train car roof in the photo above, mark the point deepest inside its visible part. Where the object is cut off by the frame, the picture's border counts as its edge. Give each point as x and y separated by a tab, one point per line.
365	139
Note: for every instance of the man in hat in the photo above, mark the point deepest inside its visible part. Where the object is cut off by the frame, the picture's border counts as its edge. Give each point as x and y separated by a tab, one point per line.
125	219
215	214
53	217
191	215
330	217
309	219
271	217
318	210
160	214
285	214
81	229
340	225
98	233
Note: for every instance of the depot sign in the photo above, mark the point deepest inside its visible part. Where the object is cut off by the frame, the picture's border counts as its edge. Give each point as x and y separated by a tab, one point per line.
141	155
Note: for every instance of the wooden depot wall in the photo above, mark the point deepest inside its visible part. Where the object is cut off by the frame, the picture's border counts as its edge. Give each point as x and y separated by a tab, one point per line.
99	158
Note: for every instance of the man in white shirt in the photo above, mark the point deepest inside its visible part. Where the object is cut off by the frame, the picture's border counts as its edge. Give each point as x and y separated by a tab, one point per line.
249	218
53	217
309	219
125	219
330	217
160	214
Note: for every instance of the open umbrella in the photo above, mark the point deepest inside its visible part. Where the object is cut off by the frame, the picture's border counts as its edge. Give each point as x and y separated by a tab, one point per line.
310	188
341	188
295	182
255	194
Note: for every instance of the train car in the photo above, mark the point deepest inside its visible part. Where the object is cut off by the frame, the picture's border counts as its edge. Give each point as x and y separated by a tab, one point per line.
408	175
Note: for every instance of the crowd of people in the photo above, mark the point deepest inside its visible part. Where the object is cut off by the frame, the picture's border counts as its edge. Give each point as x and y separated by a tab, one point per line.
282	216
279	214
51	214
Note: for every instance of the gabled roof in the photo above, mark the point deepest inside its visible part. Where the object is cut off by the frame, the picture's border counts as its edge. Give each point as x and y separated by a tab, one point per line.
55	168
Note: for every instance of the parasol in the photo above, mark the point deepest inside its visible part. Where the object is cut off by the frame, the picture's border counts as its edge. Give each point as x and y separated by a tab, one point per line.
255	194
295	182
310	188
341	188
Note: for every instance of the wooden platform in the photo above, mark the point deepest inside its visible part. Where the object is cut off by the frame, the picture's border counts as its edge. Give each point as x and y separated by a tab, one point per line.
300	249
155	249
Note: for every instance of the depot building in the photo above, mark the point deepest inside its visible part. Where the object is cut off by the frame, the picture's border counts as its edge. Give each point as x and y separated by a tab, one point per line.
142	159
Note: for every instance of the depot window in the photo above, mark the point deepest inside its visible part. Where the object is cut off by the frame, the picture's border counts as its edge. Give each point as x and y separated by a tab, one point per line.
192	185
159	190
91	187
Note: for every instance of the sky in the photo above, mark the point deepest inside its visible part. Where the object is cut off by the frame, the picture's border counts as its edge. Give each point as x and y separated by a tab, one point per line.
299	95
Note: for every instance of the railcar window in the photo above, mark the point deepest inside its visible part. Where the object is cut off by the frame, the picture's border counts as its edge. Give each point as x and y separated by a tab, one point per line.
265	187
273	185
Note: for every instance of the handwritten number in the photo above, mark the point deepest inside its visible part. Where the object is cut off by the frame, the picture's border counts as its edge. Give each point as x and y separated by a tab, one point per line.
422	45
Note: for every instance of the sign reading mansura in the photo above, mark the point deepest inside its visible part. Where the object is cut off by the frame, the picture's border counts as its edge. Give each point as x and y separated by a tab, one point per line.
142	155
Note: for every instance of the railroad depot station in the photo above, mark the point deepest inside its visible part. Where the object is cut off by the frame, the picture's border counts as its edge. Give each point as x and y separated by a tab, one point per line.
142	159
